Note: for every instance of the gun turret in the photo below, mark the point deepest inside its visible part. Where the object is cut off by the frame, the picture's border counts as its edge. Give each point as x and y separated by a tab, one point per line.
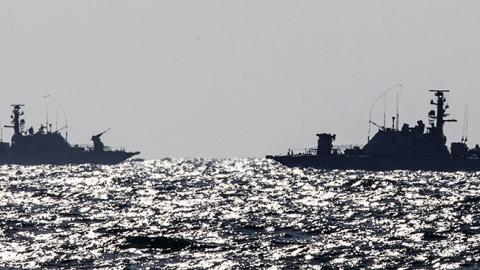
98	145
101	133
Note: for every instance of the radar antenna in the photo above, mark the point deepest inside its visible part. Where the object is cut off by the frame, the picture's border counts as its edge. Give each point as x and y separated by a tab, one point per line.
439	117
17	122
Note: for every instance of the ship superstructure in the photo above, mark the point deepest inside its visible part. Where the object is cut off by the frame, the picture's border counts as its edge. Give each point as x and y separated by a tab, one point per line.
420	147
44	146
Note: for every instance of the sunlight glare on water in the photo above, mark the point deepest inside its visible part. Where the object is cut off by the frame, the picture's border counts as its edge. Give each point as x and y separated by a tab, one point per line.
235	213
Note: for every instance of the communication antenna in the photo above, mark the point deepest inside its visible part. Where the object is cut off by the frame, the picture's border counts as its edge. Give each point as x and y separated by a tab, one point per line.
56	119
385	109
465	125
383	95
1	131
46	124
63	112
398	112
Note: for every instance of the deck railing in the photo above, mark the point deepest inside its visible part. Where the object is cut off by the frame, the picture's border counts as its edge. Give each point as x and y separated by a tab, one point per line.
87	147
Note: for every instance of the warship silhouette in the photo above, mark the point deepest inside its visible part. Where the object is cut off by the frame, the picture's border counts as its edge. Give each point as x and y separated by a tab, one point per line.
50	147
408	148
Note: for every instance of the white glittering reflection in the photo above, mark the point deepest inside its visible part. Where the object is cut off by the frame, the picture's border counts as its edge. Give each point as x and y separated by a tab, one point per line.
236	213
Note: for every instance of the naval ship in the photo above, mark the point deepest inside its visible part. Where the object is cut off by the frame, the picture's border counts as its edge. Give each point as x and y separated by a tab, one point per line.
45	146
410	148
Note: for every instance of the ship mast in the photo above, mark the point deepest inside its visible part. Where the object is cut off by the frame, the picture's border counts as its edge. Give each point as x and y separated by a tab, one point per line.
16	121
441	109
398	112
64	115
465	125
383	95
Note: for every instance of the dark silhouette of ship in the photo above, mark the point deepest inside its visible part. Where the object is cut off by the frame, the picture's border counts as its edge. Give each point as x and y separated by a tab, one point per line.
408	148
50	147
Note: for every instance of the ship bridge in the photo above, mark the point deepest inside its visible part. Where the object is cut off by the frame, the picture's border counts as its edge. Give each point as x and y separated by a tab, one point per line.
415	141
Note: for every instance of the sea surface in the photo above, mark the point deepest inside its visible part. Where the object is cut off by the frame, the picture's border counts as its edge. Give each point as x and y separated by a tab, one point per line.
236	214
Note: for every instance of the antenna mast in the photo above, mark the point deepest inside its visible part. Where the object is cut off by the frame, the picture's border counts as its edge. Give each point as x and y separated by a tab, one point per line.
464	123
17	122
56	120
441	114
46	124
63	112
398	113
385	109
384	94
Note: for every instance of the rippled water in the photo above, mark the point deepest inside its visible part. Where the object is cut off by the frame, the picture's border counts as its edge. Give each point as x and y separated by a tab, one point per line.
240	213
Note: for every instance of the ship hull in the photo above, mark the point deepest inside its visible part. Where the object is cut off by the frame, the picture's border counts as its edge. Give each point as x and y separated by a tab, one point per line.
340	162
65	158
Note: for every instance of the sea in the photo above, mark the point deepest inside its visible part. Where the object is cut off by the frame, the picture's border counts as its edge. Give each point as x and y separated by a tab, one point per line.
236	214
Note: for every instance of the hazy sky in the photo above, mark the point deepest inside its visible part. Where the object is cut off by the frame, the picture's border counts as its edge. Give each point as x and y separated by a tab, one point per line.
222	78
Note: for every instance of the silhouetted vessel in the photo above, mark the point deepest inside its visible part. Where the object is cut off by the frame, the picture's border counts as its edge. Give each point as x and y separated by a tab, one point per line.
50	147
417	148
